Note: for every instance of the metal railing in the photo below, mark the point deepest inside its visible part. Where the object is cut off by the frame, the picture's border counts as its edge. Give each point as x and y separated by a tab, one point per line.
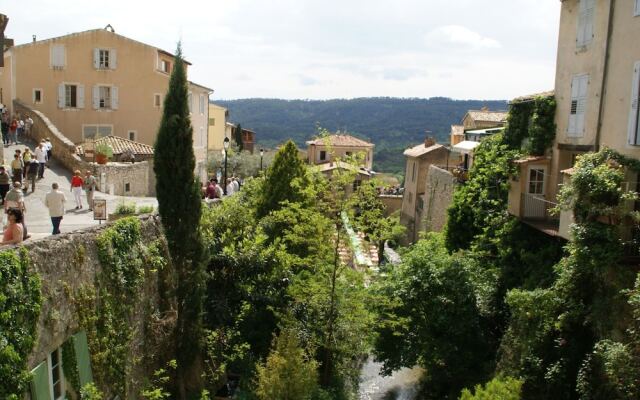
537	207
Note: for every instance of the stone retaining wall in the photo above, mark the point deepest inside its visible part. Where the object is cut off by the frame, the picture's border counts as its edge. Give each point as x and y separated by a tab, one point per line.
438	195
392	203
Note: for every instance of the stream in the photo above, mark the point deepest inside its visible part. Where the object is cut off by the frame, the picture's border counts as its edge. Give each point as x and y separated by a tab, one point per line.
401	385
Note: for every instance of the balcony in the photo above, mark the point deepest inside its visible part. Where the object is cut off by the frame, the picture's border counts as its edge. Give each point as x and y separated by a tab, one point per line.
536	212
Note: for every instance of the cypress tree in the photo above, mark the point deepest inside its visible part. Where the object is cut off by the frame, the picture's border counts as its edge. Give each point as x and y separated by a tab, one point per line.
179	205
238	137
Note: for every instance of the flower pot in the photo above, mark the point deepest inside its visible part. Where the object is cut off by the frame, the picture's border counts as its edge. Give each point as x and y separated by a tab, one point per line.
101	158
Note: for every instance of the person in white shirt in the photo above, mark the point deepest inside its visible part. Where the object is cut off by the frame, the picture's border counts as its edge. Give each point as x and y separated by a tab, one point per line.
48	146
236	185
230	187
41	156
54	200
28	123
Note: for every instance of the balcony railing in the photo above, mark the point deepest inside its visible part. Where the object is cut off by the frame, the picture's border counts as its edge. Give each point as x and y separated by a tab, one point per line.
537	212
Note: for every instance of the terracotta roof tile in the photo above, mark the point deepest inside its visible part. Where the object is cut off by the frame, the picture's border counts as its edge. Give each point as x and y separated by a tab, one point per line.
488	116
529	159
341	140
120	145
421	150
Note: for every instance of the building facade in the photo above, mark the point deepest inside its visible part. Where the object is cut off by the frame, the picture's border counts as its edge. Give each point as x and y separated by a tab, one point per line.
597	88
98	83
327	149
217	127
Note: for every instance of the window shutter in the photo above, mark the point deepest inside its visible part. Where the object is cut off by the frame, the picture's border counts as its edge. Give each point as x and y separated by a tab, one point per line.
61	95
582	104
82	356
40	389
634	126
637	8
96	97
96	58
113	59
585	22
114	97
80	96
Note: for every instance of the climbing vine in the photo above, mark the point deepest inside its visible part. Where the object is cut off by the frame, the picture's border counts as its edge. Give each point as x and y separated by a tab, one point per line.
70	365
20	302
531	126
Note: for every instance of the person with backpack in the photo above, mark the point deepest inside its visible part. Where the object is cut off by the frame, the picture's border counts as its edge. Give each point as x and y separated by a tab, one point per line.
90	186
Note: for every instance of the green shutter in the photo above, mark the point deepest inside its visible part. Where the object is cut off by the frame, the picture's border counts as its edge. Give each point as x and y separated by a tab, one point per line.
82	357
40	383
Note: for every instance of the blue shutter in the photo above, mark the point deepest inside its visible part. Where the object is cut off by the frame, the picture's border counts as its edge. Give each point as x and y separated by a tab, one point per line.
40	389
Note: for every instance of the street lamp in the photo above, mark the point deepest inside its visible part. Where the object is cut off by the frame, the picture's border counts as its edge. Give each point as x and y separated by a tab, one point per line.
224	182
261	155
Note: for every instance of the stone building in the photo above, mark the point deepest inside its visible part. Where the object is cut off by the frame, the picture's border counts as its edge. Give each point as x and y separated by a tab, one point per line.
327	149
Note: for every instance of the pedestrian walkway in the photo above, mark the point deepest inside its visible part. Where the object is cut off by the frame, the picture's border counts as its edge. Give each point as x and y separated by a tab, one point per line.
37	217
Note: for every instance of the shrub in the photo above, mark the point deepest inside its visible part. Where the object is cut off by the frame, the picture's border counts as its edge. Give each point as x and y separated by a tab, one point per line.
125	209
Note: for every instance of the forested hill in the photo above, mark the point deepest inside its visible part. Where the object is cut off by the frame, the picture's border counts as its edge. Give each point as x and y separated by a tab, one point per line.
391	123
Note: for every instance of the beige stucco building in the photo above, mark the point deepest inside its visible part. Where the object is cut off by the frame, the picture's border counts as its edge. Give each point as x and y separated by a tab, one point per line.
597	87
339	146
419	159
97	83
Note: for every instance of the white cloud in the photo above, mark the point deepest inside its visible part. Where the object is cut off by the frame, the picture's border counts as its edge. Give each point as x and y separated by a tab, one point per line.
459	36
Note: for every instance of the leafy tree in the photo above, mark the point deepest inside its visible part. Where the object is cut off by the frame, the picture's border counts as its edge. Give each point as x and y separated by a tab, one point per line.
288	373
179	205
496	389
429	316
285	181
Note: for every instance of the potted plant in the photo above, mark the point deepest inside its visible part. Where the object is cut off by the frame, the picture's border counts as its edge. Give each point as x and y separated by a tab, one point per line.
103	152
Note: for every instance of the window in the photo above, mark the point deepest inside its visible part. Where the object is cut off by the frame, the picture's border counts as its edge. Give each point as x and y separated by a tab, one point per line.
57	56
323	155
165	66
413	173
105	97
37	96
71	96
95	131
157	100
201	104
127	187
212	121
56	377
349	153
104	94
536	181
636	10
579	86
634	113
104	59
356	184
132	135
585	22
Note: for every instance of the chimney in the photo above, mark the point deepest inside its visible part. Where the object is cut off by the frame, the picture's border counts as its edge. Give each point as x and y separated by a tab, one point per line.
485	108
34	38
429	141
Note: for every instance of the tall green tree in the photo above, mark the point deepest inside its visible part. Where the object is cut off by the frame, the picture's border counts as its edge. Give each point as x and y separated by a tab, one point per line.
238	136
179	205
286	180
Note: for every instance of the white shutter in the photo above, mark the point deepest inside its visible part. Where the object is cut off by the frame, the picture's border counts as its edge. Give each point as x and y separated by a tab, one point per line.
634	127
585	22
96	58
96	97
114	97
57	56
61	95
80	103
575	87
636	12
582	104
113	59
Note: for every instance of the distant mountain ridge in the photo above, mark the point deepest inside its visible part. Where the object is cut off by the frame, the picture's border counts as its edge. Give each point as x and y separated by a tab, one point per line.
393	124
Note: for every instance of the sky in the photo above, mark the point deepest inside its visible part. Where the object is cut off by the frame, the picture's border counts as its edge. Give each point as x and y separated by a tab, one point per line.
322	49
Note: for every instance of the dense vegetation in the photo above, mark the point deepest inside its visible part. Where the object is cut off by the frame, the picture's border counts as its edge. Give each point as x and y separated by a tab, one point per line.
392	124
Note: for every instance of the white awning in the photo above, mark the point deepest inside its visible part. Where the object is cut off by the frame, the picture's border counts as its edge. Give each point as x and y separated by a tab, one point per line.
465	147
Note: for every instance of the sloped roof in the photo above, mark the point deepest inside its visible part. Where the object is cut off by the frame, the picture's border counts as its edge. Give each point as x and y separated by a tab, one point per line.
420	150
530	159
120	145
342	165
457	129
488	116
340	140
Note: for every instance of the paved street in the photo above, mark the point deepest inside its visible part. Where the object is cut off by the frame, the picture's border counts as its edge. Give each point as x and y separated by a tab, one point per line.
37	215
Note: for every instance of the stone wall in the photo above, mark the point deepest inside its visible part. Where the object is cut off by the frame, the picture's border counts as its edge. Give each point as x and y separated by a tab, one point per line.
123	176
392	203
68	263
437	198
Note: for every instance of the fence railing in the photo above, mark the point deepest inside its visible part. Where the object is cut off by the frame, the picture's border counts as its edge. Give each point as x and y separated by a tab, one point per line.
537	207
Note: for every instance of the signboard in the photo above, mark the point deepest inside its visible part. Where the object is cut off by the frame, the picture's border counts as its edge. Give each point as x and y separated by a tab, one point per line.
99	209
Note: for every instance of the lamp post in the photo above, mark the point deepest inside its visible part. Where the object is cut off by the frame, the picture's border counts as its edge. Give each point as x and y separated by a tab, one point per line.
261	155
224	182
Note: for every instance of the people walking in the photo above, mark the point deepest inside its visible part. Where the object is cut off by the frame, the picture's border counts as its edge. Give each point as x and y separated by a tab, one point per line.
32	169
5	129
13	128
90	186
54	200
16	168
27	156
41	156
20	130
5	182
76	188
15	198
236	184
28	123
48	146
230	187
